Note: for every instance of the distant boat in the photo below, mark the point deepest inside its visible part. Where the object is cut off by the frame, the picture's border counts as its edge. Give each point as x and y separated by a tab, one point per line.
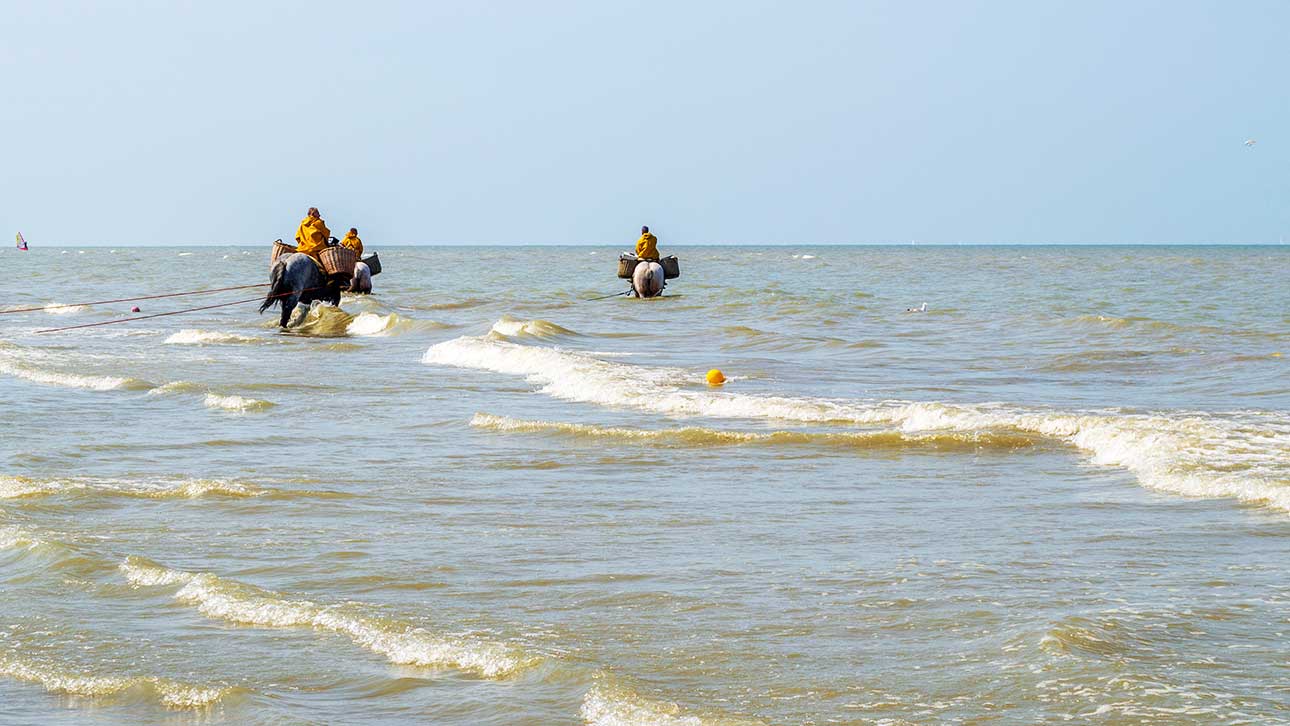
22	243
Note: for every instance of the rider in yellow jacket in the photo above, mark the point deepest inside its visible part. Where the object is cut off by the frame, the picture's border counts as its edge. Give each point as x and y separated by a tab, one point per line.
311	238
353	242
647	246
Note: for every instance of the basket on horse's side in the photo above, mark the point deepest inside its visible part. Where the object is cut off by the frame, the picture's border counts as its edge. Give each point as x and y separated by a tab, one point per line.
338	261
373	263
280	248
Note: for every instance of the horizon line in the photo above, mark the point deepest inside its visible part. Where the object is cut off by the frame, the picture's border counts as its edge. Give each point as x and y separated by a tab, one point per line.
1279	243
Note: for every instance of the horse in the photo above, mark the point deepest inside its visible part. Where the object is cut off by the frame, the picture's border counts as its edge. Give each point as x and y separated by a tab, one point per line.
647	279
296	279
362	281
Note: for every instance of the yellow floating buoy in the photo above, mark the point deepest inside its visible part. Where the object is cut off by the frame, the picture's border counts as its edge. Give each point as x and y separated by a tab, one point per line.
715	377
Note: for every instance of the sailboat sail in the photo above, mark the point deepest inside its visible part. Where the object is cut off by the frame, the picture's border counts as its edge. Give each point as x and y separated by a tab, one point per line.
22	243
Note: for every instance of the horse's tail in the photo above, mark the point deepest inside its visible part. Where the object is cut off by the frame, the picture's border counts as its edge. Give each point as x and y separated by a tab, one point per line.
278	287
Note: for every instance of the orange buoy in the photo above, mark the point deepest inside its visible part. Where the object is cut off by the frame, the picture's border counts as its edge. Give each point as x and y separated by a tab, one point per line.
715	377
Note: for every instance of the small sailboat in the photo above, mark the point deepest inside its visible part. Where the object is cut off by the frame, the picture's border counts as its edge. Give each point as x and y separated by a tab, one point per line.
22	243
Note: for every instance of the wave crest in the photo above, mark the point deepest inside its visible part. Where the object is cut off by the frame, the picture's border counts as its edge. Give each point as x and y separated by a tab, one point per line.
401	643
509	327
1240	456
240	404
376	325
18	487
191	336
697	436
617	705
168	692
71	380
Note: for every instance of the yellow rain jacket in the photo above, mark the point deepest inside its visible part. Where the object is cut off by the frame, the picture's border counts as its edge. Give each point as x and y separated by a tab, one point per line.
647	247
311	238
354	243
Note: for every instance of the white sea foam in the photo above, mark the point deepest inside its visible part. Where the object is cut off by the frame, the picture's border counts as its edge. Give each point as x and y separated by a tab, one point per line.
509	327
17	538
57	309
371	324
1245	457
607	705
55	679
374	324
17	487
400	642
189	336
51	377
240	404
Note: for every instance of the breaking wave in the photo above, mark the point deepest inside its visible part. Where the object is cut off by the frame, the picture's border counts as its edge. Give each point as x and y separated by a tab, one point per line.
239	404
509	327
212	399
57	309
18	487
189	336
616	705
400	642
70	380
373	324
168	692
1243	456
696	436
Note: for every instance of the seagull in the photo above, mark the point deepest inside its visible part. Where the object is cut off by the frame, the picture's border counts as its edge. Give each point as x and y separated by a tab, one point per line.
1250	142
922	309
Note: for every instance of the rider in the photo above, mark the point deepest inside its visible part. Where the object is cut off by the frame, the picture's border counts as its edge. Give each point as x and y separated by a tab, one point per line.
647	246
311	238
353	242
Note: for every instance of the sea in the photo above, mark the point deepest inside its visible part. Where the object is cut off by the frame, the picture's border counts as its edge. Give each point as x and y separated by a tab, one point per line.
1059	492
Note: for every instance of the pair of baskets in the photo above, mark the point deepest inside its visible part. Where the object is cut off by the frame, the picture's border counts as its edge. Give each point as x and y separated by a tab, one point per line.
335	260
627	265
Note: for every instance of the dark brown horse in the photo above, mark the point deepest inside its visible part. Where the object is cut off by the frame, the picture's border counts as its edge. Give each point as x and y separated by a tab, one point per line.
294	280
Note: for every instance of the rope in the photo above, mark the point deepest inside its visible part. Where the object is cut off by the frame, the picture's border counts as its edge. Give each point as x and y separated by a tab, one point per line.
175	312
132	299
606	297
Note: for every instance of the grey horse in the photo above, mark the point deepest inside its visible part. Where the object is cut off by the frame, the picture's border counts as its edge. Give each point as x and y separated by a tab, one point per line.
647	279
295	279
362	282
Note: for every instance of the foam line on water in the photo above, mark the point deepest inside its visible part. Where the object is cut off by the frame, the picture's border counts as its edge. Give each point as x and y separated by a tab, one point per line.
191	336
168	692
19	487
607	704
510	327
239	404
1244	456
376	325
70	380
887	439
400	642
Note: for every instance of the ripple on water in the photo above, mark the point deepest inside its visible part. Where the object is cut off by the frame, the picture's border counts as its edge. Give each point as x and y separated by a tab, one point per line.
401	642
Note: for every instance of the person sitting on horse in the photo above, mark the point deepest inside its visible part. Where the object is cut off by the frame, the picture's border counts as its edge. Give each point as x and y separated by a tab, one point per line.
647	246
311	238
353	242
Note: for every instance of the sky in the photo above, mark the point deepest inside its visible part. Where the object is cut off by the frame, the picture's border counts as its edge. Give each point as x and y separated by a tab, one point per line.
749	122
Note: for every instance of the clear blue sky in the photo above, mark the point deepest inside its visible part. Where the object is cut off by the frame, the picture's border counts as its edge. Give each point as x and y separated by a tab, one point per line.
559	122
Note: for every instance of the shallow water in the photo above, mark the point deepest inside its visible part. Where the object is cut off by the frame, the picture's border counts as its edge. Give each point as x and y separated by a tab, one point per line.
1060	493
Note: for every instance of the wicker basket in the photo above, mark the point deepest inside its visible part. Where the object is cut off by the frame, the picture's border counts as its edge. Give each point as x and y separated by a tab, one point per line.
338	261
626	266
373	263
280	248
671	267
